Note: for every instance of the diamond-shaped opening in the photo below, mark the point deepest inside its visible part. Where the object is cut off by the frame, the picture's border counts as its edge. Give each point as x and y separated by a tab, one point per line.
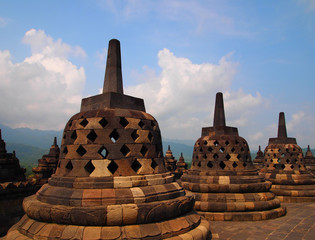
124	150
266	160
199	164
134	135
209	164
233	149
114	136
287	150
222	149
112	167
271	160
89	167
242	149
70	124
210	149
295	160
282	166
236	142
81	150
267	165
282	155
244	164
288	160
74	135
205	156
299	166
278	160
215	156
65	150
274	155
228	156
150	136
216	143
234	164
103	152
153	164
69	166
292	166
152	124
200	149
123	121
103	122
136	165
84	122
92	135
64	136
144	150
294	149
239	156
205	142
279	150
197	157
227	142
141	124
222	165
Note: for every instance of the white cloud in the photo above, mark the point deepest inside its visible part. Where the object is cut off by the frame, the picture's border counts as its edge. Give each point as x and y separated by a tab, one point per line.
182	96
295	121
44	90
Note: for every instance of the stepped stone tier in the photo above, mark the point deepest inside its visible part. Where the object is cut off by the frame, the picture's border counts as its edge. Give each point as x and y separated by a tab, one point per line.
259	159
181	166
170	161
285	168
46	165
110	181
309	161
13	188
223	179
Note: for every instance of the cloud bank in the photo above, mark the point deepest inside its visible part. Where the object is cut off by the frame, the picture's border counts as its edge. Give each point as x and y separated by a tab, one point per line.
182	96
44	90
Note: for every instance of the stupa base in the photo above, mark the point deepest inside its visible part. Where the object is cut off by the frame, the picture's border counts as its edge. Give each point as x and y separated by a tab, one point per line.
294	193
189	226
244	216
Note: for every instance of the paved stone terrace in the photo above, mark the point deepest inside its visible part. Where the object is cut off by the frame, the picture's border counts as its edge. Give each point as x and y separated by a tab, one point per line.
298	223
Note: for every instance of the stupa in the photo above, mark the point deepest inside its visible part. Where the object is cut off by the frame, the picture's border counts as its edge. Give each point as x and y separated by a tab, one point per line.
181	167
285	168
110	181
46	165
259	159
223	179
13	188
170	161
310	161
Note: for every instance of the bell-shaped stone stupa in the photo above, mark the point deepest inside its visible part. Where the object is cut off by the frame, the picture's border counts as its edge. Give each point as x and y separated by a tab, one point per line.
222	177
259	159
181	166
170	161
46	165
13	188
285	168
111	182
309	161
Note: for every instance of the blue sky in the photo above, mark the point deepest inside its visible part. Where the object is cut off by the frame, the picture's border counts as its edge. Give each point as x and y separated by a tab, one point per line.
175	54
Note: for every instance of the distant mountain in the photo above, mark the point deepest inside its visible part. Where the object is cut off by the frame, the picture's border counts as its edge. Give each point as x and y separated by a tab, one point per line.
26	136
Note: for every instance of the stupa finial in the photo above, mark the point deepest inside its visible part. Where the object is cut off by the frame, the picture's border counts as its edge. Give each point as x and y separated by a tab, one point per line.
113	76
282	130
219	116
55	141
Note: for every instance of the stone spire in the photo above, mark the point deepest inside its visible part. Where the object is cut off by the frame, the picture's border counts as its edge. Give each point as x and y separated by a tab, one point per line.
282	130
219	116
113	76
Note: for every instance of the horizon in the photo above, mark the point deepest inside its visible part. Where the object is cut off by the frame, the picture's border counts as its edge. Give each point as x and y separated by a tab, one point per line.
175	55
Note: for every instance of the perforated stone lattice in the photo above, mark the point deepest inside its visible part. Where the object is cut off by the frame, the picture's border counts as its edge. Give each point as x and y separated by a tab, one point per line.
118	139
284	157
221	154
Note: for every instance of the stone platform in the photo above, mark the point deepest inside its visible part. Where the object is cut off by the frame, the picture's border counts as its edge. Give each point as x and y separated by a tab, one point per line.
298	223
